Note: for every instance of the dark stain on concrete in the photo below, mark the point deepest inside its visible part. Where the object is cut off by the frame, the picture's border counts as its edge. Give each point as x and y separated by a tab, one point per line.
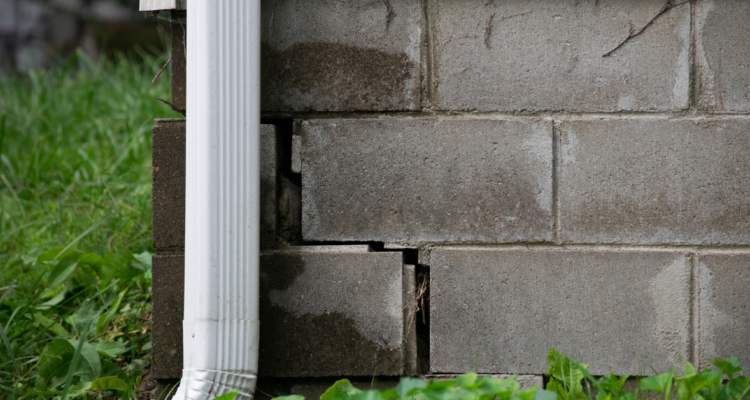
168	174
312	346
335	77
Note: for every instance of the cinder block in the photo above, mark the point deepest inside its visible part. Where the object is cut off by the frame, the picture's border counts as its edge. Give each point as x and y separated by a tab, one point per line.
504	309
723	298
168	174
722	54
168	288
169	184
331	311
521	55
412	180
340	56
655	181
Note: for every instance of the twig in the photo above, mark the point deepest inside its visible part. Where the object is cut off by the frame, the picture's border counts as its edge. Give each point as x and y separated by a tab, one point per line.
487	29
389	14
670	4
162	69
270	27
179	110
459	71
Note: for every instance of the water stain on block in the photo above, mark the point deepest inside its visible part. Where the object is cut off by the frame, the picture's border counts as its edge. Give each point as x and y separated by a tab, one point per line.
331	314
334	77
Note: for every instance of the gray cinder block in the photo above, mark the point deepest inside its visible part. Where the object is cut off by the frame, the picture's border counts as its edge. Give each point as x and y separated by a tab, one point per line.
655	181
722	53
340	56
521	55
723	301
414	180
620	311
332	311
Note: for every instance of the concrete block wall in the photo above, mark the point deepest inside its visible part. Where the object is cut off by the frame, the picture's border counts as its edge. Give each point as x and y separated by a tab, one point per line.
568	174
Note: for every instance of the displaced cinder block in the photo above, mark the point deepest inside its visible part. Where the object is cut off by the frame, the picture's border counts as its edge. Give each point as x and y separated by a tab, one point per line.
503	309
412	180
723	320
332	311
169	184
168	174
168	288
655	181
722	54
340	56
521	55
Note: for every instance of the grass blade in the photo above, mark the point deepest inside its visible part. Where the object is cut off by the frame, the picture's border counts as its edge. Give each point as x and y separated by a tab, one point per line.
87	310
86	232
2	135
7	342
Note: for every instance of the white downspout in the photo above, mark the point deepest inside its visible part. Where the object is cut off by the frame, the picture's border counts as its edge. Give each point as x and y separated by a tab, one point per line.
222	207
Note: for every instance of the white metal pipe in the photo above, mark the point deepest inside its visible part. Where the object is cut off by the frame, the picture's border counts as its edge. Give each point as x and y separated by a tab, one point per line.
220	327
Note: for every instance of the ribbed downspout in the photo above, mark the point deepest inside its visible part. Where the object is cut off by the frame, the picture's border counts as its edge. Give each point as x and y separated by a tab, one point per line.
220	327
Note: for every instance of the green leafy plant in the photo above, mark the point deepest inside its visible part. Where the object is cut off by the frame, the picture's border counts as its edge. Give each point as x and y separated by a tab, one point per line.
75	227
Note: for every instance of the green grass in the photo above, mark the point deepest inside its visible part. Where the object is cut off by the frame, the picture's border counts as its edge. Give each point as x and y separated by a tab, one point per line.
75	174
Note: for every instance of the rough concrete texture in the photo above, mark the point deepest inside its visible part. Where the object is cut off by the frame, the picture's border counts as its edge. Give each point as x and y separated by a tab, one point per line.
178	43
723	317
655	181
620	311
414	180
340	56
168	196
331	311
526	381
168	286
313	388
269	185
722	54
522	55
168	174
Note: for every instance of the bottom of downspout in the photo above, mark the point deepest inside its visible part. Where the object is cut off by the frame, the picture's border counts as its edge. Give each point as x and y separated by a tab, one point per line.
220	358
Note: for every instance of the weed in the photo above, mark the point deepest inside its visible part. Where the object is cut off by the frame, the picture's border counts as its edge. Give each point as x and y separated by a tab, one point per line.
75	227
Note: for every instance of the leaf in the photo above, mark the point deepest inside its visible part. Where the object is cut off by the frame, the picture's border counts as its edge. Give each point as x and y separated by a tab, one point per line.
467	381
79	389
144	258
50	325
542	394
60	273
57	254
111	369
104	320
58	347
366	395
290	397
568	372
59	297
109	349
228	396
109	383
407	386
659	383
91	261
729	366
342	389
89	359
